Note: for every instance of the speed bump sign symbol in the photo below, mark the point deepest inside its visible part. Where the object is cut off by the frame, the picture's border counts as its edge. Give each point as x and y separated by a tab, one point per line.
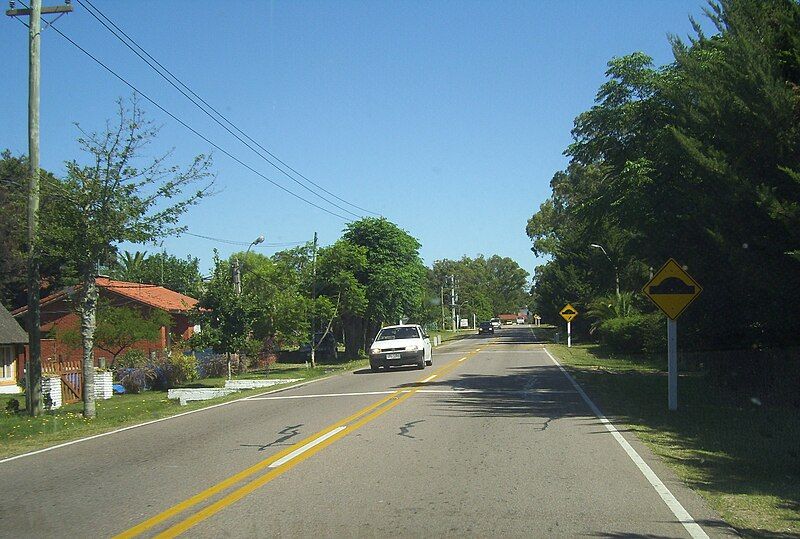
672	289
568	313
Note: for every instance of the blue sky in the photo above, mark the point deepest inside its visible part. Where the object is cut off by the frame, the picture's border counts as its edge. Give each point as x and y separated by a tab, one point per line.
449	118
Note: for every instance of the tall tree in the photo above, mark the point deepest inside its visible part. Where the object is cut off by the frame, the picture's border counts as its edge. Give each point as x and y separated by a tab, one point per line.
114	199
393	278
13	200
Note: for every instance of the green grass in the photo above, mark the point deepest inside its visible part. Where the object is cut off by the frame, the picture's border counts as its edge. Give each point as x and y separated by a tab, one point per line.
744	459
20	433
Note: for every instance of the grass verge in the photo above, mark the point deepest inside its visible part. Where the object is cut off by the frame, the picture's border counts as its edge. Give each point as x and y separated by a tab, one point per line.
20	433
743	458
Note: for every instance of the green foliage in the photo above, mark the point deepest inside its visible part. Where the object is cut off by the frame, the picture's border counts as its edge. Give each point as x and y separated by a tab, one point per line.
611	306
698	160
634	334
134	371
394	273
180	275
133	358
13	201
114	198
177	368
224	317
12	406
485	287
120	327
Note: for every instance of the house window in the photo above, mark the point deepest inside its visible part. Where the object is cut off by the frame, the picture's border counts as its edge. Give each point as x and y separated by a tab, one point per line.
6	362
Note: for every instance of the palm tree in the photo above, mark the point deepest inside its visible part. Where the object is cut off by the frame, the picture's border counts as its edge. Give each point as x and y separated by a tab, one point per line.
611	306
129	265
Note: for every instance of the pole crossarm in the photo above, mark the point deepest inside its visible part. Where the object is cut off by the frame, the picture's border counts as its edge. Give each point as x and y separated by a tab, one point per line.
46	10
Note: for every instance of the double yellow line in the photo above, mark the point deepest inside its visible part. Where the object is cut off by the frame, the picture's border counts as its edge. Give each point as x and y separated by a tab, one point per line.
279	463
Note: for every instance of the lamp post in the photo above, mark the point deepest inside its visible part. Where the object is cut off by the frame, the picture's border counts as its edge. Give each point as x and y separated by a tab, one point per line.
237	270
616	272
237	282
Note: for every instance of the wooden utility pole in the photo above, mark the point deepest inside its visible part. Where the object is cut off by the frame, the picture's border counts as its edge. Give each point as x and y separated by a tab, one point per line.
33	394
313	298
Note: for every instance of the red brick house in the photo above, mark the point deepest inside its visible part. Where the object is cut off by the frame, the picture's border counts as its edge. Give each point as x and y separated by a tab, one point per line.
57	312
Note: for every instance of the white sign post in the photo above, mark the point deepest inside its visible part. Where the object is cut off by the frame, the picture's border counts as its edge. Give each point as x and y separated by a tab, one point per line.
672	363
568	313
672	290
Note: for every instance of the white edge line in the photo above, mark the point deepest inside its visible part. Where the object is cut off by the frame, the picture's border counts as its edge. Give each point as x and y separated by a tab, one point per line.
429	378
672	502
300	450
129	427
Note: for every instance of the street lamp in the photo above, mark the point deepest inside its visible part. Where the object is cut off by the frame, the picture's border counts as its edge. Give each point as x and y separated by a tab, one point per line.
237	270
616	272
256	241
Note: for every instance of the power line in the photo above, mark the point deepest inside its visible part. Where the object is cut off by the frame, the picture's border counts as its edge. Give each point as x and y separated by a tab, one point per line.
194	98
193	130
244	243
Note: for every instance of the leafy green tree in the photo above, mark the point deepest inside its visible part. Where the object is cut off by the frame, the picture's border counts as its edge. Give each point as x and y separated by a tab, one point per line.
339	268
118	328
114	199
393	278
13	239
485	287
226	318
696	160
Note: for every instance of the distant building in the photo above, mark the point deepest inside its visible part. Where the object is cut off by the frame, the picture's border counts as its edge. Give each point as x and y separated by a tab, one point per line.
508	318
12	344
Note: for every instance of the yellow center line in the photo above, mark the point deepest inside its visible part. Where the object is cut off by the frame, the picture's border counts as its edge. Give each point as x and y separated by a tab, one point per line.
357	419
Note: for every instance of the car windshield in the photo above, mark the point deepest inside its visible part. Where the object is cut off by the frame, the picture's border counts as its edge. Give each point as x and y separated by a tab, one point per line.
389	334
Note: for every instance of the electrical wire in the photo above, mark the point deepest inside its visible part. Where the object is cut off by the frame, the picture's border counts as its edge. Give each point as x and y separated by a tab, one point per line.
194	98
243	243
193	130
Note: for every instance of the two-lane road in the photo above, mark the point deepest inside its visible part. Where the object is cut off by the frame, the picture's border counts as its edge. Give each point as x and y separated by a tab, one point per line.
493	440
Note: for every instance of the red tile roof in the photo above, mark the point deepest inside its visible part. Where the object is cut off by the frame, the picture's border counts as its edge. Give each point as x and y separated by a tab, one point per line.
507	317
149	294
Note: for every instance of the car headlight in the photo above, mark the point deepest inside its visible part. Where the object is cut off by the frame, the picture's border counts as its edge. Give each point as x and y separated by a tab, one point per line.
374	350
412	348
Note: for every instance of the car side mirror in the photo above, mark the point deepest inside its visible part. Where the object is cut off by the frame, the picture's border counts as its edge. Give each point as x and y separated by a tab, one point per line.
425	336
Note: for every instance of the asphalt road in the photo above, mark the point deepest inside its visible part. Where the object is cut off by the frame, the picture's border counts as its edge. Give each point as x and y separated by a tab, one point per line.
499	443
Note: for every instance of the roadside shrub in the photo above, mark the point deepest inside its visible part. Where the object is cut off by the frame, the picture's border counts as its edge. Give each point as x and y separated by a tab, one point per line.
216	365
134	372
634	334
175	369
12	407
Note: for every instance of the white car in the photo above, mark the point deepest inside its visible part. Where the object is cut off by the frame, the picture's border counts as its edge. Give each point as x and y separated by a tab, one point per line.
400	345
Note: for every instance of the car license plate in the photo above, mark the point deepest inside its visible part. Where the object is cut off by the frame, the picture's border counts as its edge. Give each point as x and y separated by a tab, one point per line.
392	356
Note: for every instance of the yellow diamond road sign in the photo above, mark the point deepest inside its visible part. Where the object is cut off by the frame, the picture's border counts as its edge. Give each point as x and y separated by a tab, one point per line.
672	289
568	313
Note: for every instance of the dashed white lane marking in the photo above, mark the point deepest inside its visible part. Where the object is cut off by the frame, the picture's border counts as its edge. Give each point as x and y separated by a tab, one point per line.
672	502
300	450
429	378
462	359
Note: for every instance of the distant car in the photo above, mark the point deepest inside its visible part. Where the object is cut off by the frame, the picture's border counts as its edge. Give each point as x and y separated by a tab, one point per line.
486	327
407	344
496	323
